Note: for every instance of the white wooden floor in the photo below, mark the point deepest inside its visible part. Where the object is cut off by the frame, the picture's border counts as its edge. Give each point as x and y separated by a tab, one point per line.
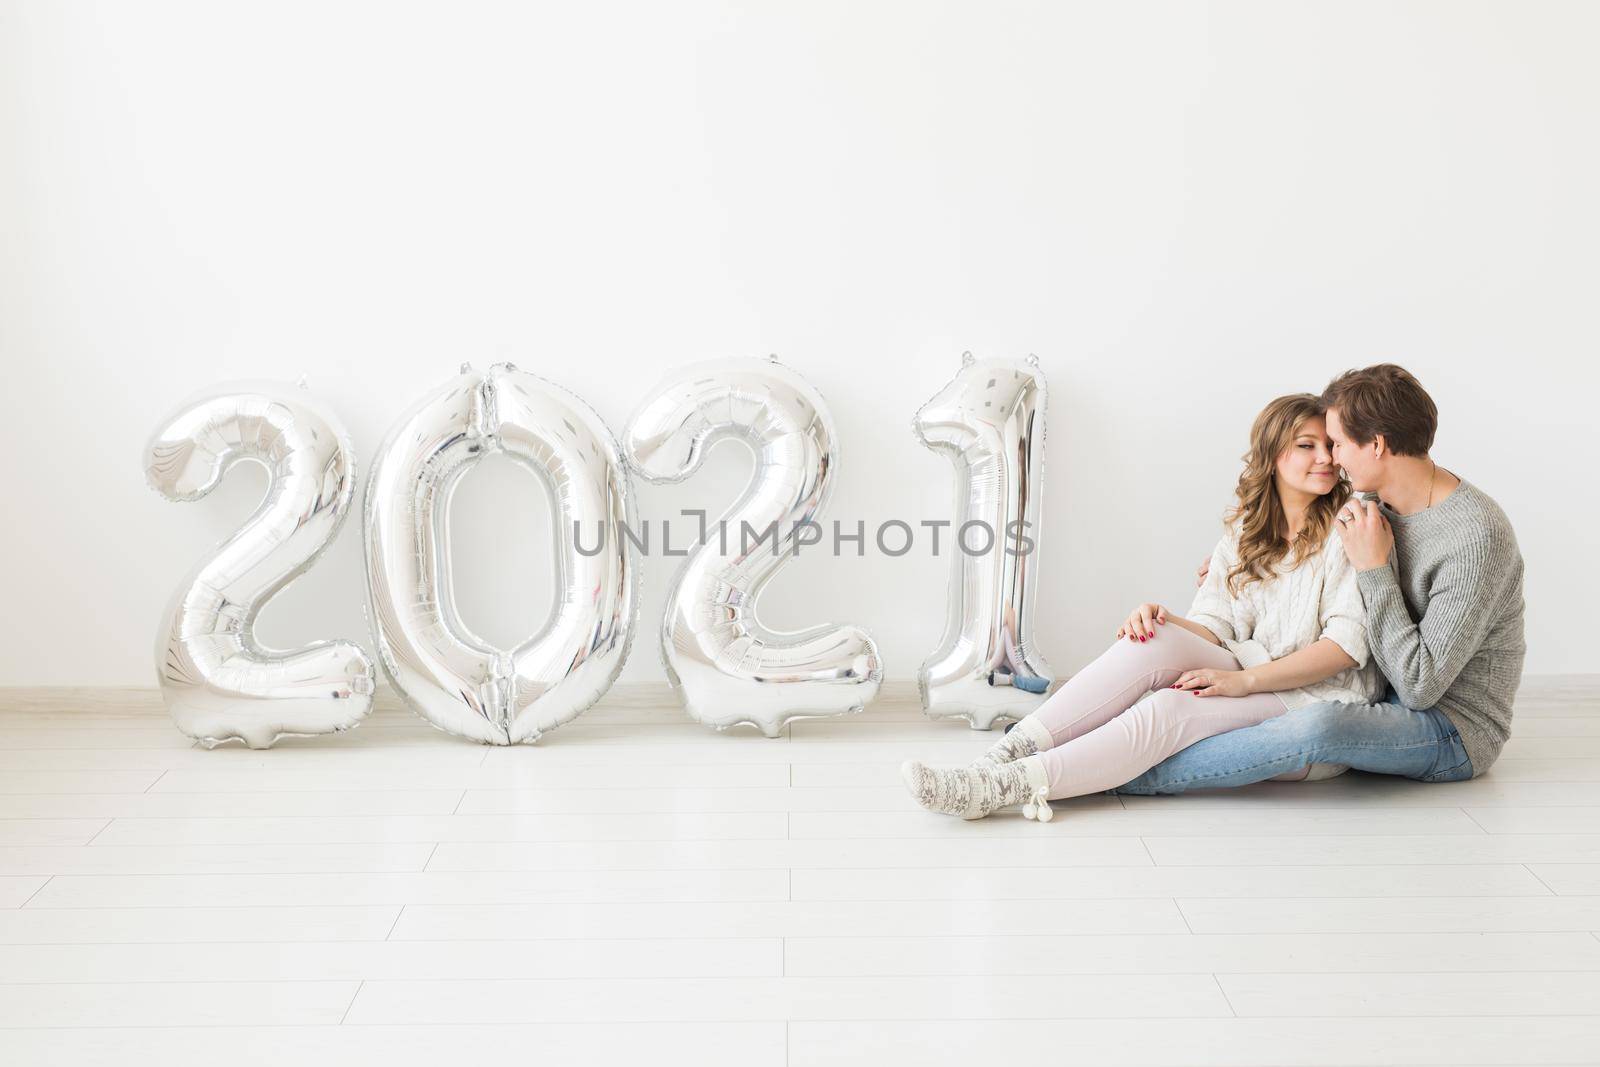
638	889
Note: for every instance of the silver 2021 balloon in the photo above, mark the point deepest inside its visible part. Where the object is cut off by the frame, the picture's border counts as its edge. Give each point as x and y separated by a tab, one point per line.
989	422
450	676
727	666
219	683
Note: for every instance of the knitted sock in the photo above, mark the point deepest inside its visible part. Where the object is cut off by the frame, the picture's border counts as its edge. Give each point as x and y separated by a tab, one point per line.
974	792
1026	738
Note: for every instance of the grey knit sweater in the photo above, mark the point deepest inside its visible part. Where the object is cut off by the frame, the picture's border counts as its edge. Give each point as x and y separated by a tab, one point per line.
1447	629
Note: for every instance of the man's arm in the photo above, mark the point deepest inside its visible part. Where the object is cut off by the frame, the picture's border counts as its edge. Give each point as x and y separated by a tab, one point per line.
1422	659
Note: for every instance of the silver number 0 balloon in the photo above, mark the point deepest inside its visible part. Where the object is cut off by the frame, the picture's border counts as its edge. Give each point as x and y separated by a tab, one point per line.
727	666
989	421
217	681
453	678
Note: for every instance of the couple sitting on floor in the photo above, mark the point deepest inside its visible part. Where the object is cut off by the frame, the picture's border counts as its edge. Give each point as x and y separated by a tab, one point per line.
1382	633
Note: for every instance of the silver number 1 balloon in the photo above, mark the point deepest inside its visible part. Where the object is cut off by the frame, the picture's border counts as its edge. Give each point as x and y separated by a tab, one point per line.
989	422
218	682
727	666
453	678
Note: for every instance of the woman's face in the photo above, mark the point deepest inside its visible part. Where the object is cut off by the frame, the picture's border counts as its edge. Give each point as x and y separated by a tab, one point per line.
1307	464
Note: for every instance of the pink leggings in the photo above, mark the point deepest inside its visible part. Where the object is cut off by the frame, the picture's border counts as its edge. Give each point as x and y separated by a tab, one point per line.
1117	718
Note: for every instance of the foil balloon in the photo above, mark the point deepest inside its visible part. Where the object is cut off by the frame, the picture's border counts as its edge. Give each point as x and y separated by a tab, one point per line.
727	667
450	676
219	683
989	422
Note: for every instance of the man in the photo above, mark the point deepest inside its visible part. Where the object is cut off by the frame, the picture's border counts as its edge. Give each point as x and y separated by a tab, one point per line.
1441	576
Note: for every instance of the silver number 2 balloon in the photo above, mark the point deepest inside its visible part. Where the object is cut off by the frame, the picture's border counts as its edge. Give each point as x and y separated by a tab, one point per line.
727	666
453	678
989	421
218	682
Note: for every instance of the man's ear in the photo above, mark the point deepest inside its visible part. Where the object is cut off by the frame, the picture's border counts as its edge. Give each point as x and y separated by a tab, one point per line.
1380	445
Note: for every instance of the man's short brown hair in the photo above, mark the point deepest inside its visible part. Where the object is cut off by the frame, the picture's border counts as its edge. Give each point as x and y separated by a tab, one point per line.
1384	399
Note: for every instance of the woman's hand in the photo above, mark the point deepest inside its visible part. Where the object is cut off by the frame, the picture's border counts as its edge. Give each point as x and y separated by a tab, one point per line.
1142	623
1209	683
1366	535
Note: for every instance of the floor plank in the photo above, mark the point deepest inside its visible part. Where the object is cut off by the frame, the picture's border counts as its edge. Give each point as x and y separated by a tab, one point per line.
169	926
563	826
1519	994
751	999
1458	915
1569	878
1289	1042
327	890
317	1003
789	855
214	859
15	890
422	961
720	1044
1034	883
1270	851
1202	953
781	919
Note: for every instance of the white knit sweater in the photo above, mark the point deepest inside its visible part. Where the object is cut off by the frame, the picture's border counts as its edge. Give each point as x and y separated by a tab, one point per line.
1304	602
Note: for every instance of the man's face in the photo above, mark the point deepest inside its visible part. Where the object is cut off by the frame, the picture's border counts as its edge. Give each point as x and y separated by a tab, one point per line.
1360	462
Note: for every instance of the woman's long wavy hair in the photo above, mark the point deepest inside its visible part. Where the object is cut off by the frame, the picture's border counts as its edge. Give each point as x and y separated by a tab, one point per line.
1263	526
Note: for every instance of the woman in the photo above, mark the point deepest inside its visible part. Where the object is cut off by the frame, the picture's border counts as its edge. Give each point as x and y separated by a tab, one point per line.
1278	623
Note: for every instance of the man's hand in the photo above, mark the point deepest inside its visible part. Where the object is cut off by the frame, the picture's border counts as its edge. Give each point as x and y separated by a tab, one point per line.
1209	683
1200	575
1368	540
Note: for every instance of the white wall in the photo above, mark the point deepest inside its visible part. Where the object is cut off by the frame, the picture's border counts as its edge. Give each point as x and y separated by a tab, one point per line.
1184	209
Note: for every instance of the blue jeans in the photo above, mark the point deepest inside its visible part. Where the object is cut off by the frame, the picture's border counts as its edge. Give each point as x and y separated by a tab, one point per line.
1383	738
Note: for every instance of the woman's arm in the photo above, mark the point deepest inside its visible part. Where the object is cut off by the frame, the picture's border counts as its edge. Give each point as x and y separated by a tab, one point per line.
1143	620
1195	628
1211	614
1321	659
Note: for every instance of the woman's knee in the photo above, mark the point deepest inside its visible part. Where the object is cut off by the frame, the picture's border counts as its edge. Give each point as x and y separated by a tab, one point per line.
1131	646
1172	645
